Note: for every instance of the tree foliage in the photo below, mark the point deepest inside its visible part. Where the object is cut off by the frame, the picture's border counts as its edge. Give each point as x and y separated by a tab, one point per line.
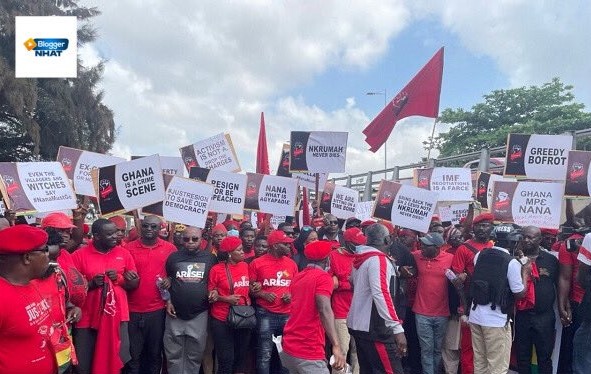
549	109
39	115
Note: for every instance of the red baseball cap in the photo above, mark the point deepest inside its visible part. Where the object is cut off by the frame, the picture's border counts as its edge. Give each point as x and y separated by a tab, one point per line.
21	239
278	236
119	222
355	236
57	220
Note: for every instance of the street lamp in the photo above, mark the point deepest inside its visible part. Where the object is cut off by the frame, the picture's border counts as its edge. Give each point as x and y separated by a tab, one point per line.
383	93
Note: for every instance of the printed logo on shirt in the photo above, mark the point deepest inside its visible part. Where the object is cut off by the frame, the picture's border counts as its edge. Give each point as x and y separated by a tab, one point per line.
37	311
243	282
279	281
191	272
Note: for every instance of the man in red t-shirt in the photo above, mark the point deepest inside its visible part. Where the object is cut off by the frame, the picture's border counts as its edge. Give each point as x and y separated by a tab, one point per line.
341	265
101	337
311	316
25	315
570	295
431	306
146	304
463	265
274	271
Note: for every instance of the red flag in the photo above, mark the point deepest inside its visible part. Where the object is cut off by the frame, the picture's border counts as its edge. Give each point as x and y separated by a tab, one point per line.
262	154
262	159
420	97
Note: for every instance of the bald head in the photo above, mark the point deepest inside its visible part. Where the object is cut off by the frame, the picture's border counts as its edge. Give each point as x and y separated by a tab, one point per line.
532	237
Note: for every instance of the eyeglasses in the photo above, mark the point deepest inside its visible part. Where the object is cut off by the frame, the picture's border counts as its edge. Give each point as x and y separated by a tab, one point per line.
150	226
193	239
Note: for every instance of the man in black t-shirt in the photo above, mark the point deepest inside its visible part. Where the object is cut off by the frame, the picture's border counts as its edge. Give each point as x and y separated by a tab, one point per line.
186	321
534	320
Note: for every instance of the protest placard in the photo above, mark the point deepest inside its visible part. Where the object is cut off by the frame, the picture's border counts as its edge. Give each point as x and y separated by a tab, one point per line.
484	187
453	212
305	179
79	164
363	210
36	186
452	184
339	201
578	178
318	151
270	194
216	152
528	203
129	185
229	189
187	201
171	165
406	206
157	208
537	156
283	167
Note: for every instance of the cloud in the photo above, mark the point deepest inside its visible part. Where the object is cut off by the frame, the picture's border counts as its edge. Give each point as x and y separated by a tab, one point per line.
178	74
531	41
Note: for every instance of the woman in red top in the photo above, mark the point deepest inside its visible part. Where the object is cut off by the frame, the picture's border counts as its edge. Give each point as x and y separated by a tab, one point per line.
231	345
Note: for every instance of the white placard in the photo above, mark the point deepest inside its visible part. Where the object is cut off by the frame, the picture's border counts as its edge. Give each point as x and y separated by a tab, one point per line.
318	151
187	201
216	152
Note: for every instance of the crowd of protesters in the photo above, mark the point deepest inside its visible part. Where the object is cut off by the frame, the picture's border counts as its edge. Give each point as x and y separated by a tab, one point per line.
125	295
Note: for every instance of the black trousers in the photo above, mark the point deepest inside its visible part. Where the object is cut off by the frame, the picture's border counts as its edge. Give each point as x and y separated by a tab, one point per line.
565	361
377	357
145	342
534	329
231	346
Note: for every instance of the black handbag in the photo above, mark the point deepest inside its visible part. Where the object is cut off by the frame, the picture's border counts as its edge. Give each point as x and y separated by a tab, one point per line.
240	316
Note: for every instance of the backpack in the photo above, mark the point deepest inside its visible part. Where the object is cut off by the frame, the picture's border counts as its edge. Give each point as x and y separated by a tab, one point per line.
489	284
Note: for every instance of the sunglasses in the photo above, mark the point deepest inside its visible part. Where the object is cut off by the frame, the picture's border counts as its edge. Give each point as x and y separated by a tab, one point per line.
150	226
193	239
333	222
44	249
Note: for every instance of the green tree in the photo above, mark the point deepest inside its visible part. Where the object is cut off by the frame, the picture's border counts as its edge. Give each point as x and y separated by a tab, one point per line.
549	109
39	115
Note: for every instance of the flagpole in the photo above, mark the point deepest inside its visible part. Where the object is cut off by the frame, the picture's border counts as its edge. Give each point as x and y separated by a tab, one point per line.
385	94
431	142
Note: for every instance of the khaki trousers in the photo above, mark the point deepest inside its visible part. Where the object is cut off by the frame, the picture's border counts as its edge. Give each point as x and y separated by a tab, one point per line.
492	348
347	343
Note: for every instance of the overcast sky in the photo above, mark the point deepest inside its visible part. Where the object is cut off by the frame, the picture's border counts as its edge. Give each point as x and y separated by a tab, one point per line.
181	71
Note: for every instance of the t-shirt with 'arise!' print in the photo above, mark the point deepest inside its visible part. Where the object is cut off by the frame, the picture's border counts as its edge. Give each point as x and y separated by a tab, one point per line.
275	275
189	272
218	280
25	316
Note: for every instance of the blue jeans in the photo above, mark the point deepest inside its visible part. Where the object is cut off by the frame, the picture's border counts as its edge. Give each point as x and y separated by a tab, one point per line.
431	331
581	351
268	324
